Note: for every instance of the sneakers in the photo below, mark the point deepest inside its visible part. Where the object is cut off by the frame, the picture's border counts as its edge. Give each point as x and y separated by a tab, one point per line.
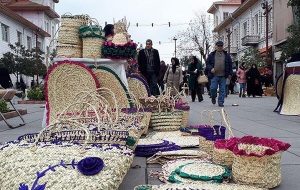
221	105
213	100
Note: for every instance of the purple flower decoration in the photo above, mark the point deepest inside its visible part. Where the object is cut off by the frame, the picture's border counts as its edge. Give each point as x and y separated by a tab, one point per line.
23	187
90	165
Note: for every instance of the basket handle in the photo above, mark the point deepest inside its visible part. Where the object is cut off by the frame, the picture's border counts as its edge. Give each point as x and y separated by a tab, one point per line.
227	122
54	126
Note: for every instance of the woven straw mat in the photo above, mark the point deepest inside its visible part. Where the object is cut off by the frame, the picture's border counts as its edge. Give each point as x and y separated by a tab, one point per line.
109	79
137	87
63	83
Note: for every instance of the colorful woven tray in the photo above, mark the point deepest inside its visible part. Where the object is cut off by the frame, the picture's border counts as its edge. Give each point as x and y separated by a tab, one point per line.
64	81
149	147
176	137
109	79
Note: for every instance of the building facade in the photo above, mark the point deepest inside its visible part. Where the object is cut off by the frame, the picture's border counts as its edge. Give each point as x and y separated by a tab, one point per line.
244	28
282	20
31	23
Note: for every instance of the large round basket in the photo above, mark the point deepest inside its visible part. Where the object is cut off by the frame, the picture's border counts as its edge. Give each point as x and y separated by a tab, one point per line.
91	47
166	121
69	51
63	82
109	79
257	161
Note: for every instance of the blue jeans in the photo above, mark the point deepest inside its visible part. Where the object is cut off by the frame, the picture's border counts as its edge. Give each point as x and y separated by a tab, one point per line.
242	88
220	82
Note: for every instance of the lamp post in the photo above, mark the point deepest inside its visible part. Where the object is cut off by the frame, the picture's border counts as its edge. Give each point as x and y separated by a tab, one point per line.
175	44
267	8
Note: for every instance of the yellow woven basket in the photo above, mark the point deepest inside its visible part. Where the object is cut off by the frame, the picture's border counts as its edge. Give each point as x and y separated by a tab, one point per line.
91	47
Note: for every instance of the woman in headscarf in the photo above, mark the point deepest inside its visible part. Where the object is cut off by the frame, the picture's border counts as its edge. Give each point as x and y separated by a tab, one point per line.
194	70
173	76
254	87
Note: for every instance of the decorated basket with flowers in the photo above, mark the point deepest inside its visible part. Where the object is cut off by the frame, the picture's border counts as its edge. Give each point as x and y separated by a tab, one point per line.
114	51
257	161
62	165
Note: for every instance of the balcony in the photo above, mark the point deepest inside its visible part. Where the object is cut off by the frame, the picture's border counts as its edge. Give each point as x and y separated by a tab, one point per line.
250	40
233	50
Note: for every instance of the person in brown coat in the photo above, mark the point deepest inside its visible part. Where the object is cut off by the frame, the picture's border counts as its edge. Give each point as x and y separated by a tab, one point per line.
173	76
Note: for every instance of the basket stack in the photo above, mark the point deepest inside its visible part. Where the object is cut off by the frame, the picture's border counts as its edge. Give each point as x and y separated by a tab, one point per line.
166	121
69	43
257	161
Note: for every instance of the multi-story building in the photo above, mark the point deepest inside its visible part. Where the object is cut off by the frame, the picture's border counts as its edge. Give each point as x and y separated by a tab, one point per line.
246	26
282	20
31	23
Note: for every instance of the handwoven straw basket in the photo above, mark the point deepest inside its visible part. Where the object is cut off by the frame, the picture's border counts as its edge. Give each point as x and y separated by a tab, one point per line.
166	121
261	172
206	145
91	47
185	118
146	121
70	25
222	157
69	51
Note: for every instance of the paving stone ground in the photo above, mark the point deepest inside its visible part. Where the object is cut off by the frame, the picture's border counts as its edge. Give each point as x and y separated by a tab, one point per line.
253	116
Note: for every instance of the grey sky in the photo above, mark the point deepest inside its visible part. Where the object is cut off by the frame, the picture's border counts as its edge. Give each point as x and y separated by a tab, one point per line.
142	12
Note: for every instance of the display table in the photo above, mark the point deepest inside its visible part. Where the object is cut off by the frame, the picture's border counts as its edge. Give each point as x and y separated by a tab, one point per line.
118	66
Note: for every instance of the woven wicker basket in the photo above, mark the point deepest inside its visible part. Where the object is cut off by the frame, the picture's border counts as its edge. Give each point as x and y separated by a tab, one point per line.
69	51
185	118
206	145
68	33
222	157
166	121
91	47
146	121
261	172
257	161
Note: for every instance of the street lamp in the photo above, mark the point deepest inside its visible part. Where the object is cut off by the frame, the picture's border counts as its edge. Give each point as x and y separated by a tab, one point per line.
175	44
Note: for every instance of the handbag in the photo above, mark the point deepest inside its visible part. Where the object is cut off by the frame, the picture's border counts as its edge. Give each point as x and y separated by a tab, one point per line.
202	79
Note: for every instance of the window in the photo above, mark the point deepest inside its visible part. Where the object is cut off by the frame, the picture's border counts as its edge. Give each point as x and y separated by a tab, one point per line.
225	15
19	36
47	27
256	22
5	32
245	28
235	38
216	21
29	43
53	32
39	45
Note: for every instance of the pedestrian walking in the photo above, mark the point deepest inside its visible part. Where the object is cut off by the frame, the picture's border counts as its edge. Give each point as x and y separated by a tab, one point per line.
242	79
219	65
254	86
194	70
173	76
149	66
162	72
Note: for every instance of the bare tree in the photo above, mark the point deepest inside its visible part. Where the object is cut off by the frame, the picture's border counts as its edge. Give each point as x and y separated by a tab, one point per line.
196	39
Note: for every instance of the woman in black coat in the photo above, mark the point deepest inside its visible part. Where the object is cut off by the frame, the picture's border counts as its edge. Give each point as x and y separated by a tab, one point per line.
254	86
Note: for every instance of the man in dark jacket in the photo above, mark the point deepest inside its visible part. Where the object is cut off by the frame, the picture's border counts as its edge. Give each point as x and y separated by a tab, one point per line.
149	66
219	67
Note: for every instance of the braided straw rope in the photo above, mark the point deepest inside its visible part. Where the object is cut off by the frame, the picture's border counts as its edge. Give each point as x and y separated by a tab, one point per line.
109	80
63	83
291	96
